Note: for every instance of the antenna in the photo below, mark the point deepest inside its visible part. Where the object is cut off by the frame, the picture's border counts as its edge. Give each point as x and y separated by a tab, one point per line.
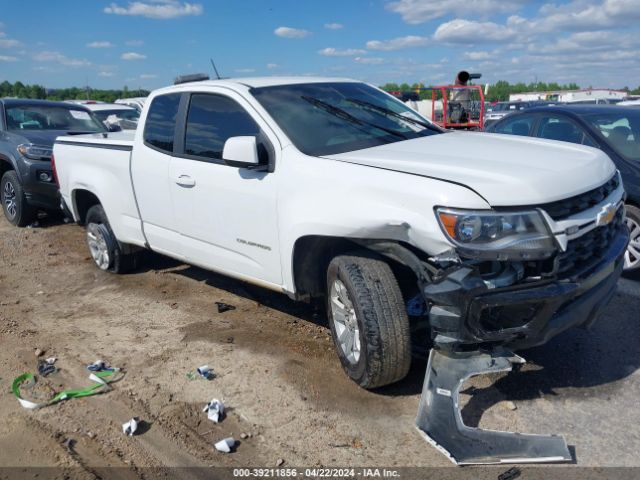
215	69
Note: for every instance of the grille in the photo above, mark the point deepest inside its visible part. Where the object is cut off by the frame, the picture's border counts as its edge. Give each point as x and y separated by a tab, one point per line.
588	249
565	208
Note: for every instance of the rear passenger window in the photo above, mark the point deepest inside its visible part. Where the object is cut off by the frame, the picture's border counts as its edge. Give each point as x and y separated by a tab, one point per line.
518	125
212	119
161	122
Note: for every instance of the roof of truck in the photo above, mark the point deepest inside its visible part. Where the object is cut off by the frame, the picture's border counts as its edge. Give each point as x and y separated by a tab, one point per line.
256	82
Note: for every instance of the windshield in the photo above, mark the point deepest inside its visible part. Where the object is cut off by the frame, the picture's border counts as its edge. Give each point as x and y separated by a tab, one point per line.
621	131
120	113
46	117
331	118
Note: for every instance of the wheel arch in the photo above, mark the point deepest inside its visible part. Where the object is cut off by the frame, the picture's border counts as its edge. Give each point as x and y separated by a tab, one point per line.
83	200
313	253
6	165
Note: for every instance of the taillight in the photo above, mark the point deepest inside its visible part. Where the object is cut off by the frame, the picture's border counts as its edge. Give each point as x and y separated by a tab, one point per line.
53	167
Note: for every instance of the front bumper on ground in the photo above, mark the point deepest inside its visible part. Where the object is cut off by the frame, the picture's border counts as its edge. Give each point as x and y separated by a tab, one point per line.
465	314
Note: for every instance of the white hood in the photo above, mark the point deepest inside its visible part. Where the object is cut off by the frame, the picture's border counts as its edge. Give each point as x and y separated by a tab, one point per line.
506	170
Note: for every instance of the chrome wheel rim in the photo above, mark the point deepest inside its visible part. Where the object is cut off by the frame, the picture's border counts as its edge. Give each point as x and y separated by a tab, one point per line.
98	246
9	200
632	255
345	322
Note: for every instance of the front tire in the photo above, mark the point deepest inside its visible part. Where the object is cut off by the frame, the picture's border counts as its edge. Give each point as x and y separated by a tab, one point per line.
103	245
368	319
632	255
14	202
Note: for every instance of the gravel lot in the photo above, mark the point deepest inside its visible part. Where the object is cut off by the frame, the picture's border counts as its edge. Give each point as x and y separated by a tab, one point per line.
275	369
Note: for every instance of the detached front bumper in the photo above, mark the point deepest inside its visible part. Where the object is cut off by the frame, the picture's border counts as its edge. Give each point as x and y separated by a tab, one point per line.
465	314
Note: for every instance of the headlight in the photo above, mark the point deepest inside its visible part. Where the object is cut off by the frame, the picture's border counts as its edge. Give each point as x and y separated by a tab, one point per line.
498	235
35	152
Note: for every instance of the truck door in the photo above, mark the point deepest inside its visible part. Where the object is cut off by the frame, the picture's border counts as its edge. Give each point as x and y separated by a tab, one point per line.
150	165
227	215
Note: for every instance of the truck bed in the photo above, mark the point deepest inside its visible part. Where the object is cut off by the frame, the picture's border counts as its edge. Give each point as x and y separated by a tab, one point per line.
101	164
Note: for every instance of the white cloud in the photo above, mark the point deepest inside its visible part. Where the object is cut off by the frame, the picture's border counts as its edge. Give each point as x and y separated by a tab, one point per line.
272	66
49	56
398	43
156	9
7	42
288	32
132	56
106	74
419	11
336	52
369	60
333	26
471	32
478	55
245	70
7	58
587	15
100	45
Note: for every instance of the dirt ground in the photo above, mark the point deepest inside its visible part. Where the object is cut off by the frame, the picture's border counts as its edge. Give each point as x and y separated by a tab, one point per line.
289	403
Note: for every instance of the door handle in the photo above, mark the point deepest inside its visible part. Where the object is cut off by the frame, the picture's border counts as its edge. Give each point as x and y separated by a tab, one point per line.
185	181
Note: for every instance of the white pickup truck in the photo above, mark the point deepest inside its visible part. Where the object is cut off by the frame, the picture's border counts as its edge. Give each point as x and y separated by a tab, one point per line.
332	190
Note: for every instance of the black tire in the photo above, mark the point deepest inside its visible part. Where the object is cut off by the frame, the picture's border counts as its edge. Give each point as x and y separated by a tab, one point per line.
633	222
22	214
385	342
118	261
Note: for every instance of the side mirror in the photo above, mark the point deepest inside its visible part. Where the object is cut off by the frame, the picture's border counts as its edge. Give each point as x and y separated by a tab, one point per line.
241	152
112	127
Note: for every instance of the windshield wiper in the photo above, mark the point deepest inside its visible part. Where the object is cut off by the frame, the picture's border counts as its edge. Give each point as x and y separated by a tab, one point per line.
391	113
340	113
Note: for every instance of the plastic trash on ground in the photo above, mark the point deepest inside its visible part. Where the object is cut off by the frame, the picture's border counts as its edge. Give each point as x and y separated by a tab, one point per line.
225	445
130	427
205	372
100	366
214	410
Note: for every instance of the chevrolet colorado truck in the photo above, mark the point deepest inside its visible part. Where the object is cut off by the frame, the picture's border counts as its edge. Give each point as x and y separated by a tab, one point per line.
27	131
467	245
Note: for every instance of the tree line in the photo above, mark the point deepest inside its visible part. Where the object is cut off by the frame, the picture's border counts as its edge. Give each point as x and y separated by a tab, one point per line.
20	90
500	90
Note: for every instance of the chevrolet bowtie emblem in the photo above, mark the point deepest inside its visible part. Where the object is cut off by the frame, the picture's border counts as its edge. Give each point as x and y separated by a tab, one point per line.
606	215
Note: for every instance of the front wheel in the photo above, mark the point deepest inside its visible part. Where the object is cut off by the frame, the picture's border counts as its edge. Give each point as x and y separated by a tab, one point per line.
632	255
103	245
14	201
368	319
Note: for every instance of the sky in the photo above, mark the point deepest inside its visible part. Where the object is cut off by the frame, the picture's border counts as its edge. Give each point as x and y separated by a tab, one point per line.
147	43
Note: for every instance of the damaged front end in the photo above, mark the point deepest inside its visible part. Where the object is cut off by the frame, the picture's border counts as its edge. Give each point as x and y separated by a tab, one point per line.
482	303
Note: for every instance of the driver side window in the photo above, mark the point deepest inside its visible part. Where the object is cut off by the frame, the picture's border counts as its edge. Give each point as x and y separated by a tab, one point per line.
212	119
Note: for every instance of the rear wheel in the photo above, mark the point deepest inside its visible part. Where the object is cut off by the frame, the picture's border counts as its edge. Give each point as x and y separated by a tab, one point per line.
368	319
103	245
14	201
632	255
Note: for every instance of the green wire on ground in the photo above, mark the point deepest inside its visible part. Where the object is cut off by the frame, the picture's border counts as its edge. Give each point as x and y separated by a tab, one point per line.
101	380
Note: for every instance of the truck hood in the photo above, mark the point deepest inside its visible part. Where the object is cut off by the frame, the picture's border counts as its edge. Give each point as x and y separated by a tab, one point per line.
506	170
43	138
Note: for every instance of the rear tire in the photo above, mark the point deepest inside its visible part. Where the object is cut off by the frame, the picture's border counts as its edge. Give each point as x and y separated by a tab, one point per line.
632	255
368	319
14	202
103	245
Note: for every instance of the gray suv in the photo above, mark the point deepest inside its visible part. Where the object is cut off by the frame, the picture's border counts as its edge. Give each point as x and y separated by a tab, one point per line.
28	129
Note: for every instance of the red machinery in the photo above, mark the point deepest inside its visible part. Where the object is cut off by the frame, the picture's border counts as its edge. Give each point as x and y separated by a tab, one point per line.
459	106
466	113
